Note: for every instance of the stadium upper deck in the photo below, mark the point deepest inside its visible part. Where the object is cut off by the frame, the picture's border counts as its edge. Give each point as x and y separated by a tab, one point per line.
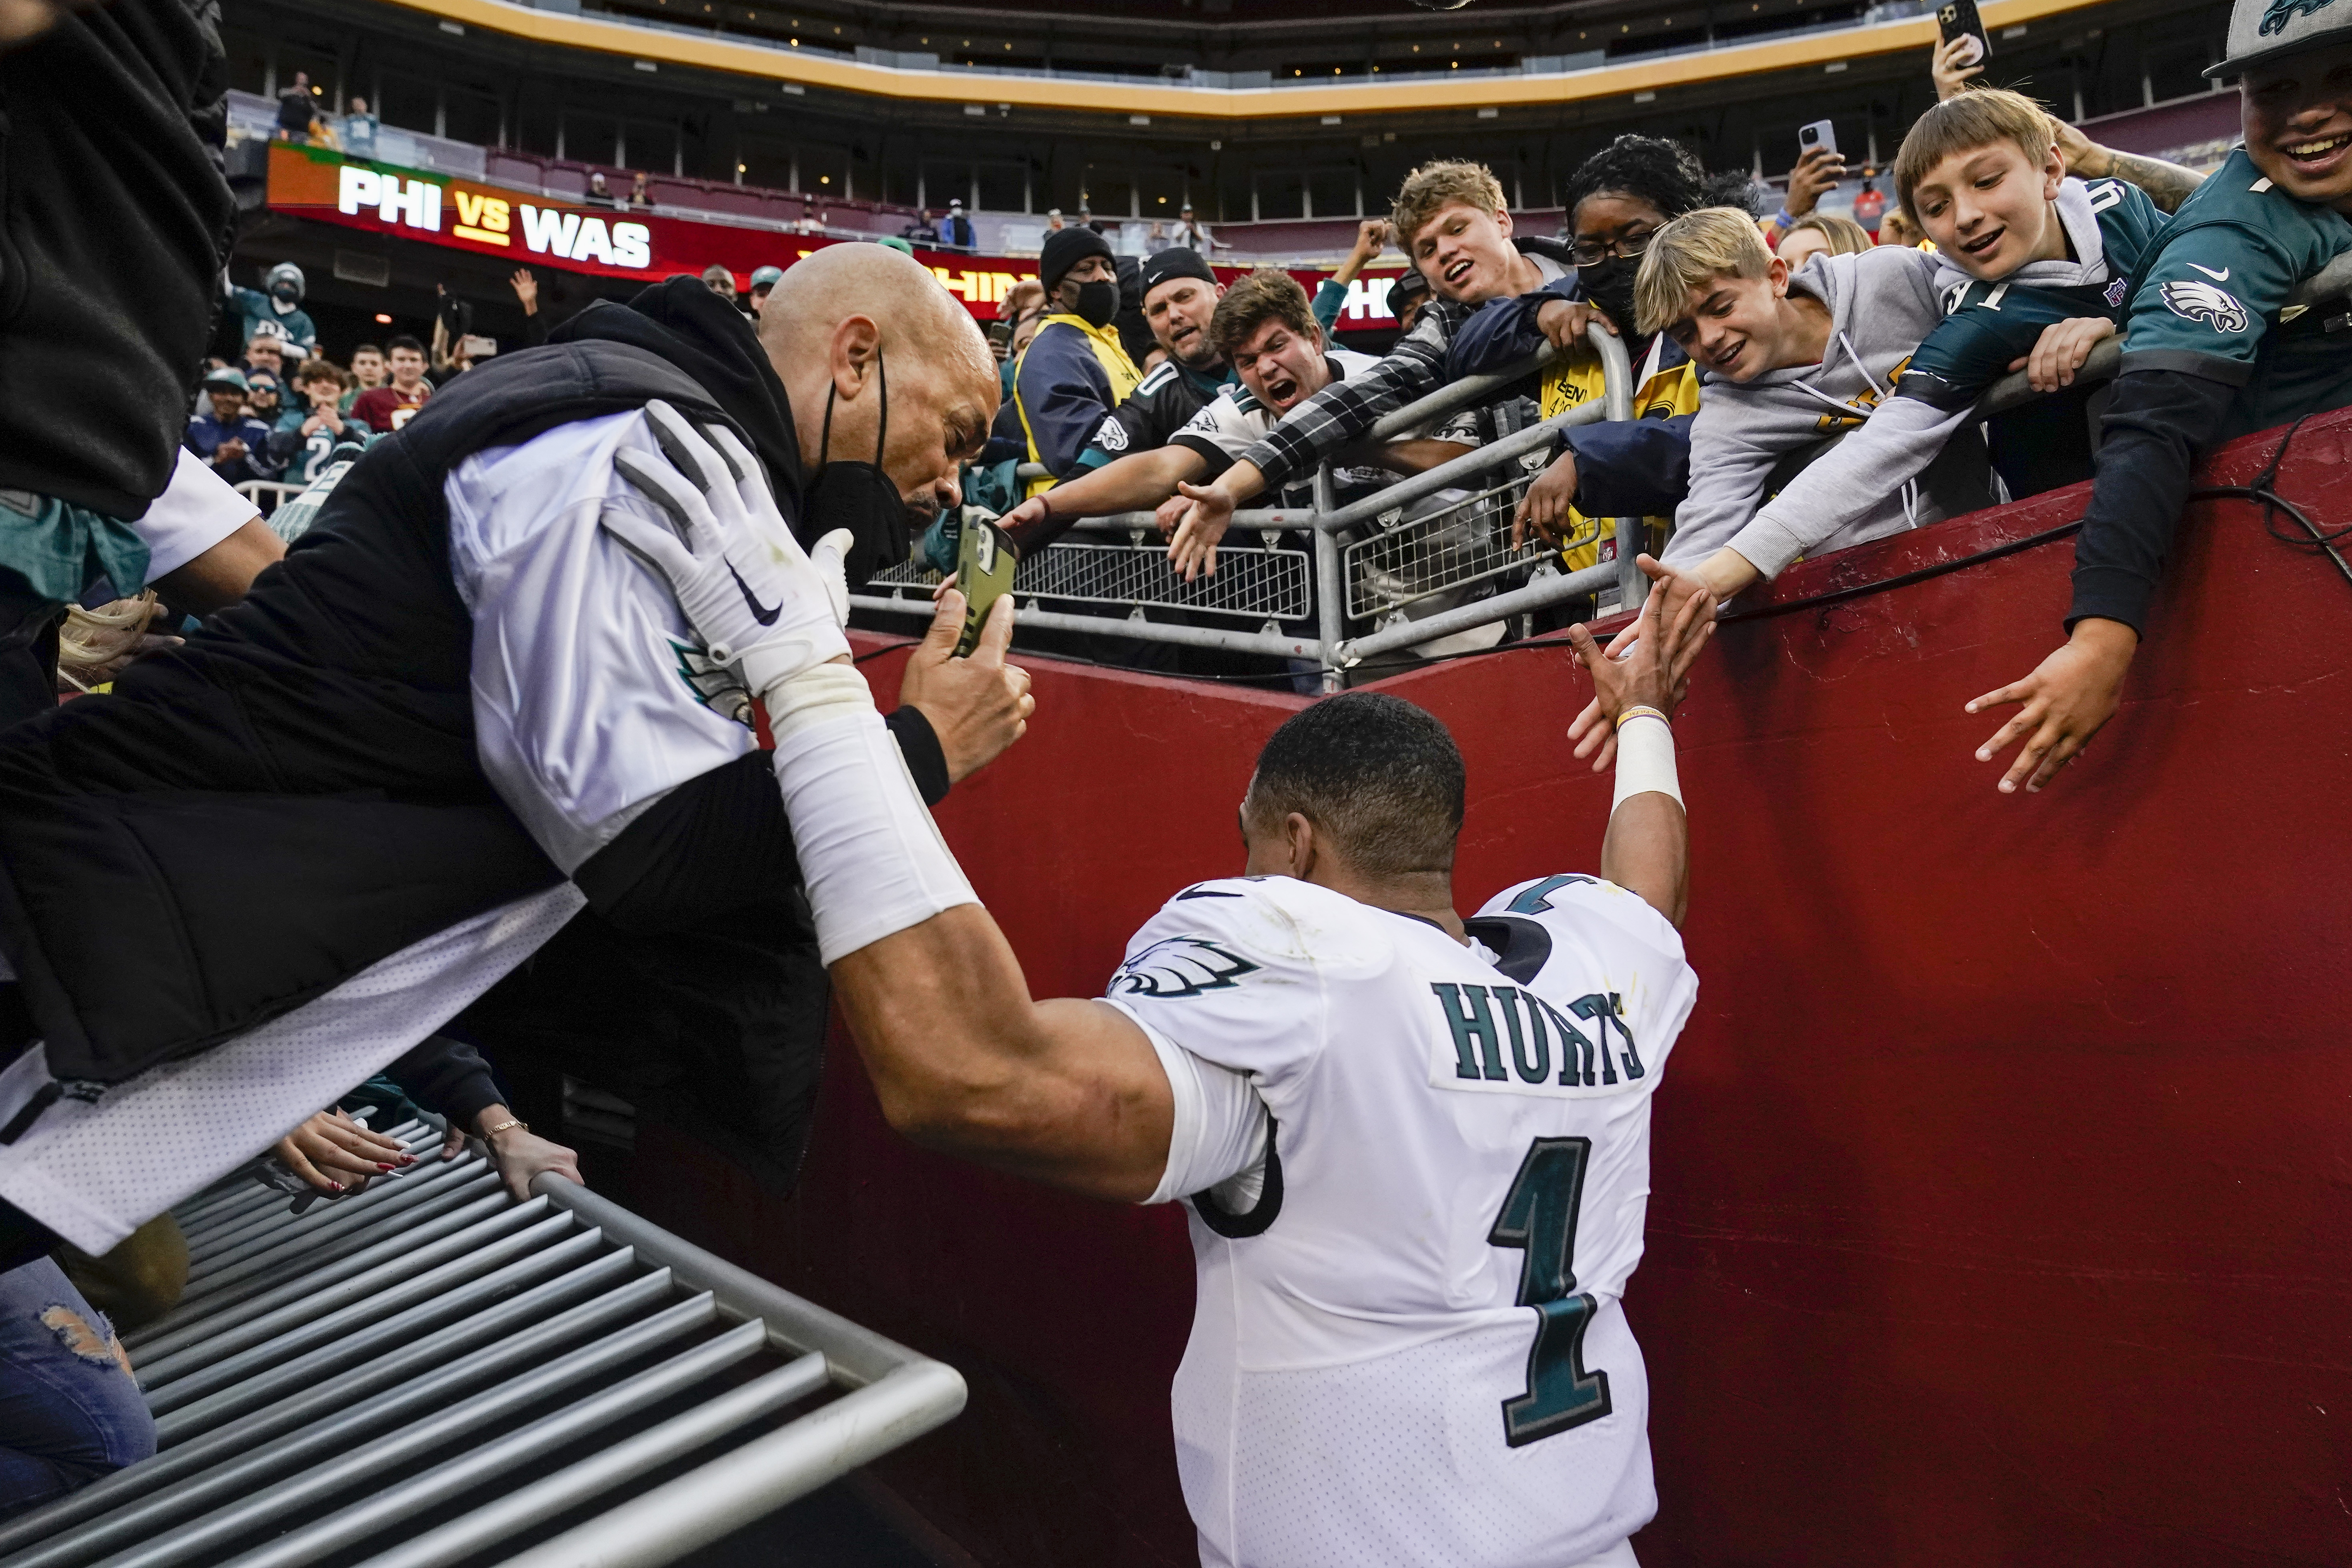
1267	114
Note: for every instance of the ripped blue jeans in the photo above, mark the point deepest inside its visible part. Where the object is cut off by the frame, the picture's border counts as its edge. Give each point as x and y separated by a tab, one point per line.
69	1409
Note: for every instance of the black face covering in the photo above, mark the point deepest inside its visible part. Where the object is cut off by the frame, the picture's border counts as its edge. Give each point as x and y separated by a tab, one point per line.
285	293
1097	303
1610	285
860	498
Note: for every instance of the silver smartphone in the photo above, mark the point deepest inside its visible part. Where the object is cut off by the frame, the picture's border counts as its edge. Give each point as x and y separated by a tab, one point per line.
1820	133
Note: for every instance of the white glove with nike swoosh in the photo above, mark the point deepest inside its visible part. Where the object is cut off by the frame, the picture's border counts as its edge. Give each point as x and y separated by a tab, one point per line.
745	584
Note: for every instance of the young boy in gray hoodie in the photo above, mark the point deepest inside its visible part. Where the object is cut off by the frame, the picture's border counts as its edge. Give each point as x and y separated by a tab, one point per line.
1787	362
2029	271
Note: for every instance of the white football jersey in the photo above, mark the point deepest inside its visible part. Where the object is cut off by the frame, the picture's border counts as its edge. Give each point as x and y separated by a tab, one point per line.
1410	1349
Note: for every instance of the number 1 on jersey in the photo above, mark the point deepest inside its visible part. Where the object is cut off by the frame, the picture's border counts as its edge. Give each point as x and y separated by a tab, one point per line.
1539	1218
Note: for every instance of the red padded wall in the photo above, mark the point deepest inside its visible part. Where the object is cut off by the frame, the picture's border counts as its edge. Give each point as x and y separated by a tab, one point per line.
2003	1176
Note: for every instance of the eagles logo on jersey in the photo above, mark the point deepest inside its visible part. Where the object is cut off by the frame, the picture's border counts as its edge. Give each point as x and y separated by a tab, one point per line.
2205	302
1180	966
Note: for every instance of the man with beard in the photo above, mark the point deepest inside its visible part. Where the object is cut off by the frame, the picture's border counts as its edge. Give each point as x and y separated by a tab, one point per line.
1179	296
1266	327
461	727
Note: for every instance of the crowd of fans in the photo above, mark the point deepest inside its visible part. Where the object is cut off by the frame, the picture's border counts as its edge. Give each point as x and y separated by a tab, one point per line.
1803	380
1759	330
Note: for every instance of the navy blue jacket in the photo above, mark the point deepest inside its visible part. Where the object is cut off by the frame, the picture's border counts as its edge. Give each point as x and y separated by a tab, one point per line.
1639	467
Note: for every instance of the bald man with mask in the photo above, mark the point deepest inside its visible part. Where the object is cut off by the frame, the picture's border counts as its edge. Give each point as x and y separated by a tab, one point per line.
460	763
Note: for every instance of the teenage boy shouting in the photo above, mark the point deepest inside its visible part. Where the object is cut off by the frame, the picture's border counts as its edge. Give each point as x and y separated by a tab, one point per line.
1266	327
2213	350
2033	270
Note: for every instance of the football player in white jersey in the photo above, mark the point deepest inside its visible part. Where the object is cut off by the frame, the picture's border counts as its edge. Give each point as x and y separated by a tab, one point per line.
1415	1148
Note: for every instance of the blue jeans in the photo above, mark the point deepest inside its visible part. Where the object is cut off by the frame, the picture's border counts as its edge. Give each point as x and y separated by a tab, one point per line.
69	1410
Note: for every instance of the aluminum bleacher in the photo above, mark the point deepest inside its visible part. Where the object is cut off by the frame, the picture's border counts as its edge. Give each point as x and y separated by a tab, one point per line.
430	1373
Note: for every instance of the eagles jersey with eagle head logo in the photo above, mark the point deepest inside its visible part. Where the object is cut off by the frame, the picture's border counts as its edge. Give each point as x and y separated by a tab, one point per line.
2211	299
1407	1346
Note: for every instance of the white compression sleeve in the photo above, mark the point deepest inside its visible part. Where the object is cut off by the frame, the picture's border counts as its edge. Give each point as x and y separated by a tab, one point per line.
1219	1129
873	859
1645	760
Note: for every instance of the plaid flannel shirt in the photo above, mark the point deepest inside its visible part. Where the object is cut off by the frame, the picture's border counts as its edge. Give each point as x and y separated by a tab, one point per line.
1342	413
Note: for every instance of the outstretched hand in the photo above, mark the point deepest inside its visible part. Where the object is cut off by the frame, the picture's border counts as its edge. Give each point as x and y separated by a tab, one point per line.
1666	637
2067	700
1595	732
1194	548
979	705
1548	506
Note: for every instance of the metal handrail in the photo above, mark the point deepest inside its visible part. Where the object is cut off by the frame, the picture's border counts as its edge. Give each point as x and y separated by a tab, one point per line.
2333	281
1469	392
583	1324
1330	646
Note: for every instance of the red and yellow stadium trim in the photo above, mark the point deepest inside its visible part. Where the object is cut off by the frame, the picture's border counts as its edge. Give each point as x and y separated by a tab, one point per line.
1357	97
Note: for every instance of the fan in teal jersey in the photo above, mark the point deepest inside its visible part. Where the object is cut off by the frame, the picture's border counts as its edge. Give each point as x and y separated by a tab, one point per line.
2033	267
2216	343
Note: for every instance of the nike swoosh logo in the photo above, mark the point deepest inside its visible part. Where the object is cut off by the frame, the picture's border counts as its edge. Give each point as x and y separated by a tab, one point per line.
764	614
2220	277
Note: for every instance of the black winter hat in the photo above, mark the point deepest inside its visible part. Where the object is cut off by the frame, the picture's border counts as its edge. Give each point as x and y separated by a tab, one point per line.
1065	248
1178	262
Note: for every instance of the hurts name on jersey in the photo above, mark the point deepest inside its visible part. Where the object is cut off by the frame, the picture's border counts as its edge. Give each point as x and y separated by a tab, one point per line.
1502	1037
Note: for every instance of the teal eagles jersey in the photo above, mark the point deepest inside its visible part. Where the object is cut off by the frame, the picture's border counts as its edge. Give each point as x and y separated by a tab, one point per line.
1987	326
2212	298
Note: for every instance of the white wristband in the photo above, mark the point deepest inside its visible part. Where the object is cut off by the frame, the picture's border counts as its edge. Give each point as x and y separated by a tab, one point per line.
1645	760
872	858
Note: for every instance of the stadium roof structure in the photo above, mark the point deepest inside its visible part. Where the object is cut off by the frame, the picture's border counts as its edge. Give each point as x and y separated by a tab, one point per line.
693	34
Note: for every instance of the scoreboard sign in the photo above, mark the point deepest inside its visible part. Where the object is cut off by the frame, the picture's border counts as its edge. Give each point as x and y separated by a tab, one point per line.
596	238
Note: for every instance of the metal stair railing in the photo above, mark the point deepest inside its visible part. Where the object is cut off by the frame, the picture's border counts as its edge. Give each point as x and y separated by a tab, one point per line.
430	1372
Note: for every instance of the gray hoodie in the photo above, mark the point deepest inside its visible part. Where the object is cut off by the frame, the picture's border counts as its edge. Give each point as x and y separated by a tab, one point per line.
1850	483
1882	303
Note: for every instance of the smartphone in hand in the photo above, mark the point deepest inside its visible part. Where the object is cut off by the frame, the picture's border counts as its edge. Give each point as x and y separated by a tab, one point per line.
1958	18
1820	133
986	559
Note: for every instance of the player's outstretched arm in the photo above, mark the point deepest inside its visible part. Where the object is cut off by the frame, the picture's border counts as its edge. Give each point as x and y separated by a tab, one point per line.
1068	1092
1647	850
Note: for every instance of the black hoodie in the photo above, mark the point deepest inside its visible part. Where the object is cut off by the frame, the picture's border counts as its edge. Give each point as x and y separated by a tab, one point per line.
294	795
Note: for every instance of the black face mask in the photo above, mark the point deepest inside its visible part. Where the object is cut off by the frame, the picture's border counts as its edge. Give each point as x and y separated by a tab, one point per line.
1610	285
860	498
285	293
1097	303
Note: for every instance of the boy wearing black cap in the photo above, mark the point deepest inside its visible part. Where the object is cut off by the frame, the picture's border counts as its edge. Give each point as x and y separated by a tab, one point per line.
1074	372
2215	347
1180	295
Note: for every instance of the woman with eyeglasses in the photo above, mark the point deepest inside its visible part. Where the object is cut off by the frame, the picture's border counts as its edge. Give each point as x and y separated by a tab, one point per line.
1617	199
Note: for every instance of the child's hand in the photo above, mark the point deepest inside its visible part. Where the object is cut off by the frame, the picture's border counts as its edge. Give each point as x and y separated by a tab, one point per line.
2061	351
1954	62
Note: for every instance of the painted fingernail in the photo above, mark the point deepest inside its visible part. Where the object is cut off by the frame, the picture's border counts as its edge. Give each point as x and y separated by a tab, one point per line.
2007	787
381	1167
1984	756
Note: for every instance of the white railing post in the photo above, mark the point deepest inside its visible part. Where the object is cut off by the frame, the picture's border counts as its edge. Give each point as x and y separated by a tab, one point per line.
1330	584
1617	403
